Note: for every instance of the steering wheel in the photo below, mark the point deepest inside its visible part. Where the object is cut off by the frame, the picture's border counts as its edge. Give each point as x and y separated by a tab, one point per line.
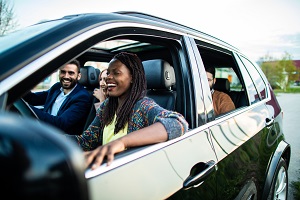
23	108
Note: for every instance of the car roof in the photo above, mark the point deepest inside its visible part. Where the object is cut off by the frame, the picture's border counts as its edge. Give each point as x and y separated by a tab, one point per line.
31	42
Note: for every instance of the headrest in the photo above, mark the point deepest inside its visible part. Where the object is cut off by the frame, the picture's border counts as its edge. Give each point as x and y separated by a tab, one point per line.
159	74
89	76
222	84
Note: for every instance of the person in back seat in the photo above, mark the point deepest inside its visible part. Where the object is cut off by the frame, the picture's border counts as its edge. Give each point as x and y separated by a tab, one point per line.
127	118
221	101
101	92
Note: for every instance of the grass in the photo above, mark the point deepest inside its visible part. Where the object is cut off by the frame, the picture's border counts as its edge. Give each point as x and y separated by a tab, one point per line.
296	186
288	90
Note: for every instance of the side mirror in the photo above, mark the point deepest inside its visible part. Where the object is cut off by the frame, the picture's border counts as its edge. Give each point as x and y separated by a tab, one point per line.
38	161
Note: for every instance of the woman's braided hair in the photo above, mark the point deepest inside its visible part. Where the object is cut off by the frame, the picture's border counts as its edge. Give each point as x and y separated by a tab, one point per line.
137	91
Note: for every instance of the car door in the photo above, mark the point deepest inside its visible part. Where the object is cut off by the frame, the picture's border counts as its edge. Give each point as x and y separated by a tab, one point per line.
237	140
176	169
196	164
237	135
154	171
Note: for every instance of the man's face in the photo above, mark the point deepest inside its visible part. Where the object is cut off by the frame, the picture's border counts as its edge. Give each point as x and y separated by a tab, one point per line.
69	76
211	80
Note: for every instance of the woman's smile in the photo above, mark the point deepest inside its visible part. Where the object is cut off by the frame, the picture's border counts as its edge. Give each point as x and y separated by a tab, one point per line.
111	86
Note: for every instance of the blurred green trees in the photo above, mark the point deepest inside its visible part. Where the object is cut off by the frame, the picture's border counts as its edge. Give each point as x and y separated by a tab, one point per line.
280	72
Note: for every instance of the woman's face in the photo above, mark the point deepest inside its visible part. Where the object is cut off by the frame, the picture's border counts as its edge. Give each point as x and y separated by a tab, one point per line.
118	79
102	81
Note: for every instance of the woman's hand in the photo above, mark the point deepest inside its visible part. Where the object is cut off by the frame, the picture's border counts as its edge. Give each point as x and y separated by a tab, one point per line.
152	134
109	150
100	94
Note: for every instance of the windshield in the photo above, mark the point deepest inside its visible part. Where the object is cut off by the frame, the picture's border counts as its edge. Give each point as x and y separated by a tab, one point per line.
15	38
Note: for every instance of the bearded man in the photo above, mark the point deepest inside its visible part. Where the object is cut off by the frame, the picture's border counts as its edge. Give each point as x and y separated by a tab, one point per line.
66	104
221	101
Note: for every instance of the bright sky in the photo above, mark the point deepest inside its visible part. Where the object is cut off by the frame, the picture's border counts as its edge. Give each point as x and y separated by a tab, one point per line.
257	27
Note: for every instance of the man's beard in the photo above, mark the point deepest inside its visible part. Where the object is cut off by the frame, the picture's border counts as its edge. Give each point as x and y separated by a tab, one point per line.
212	86
70	85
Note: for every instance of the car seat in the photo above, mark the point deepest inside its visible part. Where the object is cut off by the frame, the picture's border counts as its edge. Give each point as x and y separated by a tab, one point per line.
160	77
238	97
222	85
89	79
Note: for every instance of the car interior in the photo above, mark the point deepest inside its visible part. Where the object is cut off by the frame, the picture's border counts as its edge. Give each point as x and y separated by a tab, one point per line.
160	77
89	79
163	72
228	77
157	61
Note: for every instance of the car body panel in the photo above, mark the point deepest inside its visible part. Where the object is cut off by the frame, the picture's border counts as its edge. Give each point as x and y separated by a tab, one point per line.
195	149
135	181
240	144
282	151
169	163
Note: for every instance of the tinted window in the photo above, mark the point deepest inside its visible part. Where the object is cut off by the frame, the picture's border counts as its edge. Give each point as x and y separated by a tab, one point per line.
257	79
253	95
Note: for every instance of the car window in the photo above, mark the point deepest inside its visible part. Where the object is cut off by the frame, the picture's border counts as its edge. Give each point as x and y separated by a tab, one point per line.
47	82
256	77
53	78
226	73
252	92
148	49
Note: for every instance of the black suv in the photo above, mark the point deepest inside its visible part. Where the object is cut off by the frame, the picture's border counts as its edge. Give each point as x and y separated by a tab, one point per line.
241	154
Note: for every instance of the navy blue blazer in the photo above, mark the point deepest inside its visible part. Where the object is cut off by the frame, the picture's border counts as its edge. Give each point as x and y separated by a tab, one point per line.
72	114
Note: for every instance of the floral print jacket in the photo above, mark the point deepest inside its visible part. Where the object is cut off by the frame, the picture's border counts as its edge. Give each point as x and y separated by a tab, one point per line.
144	113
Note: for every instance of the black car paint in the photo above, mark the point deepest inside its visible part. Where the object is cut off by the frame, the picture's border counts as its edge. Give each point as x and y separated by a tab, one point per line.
37	164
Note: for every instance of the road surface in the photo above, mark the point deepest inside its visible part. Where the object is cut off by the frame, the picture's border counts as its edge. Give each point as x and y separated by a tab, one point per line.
290	103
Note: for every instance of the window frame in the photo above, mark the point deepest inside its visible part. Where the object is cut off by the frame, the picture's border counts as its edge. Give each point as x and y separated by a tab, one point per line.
230	64
256	77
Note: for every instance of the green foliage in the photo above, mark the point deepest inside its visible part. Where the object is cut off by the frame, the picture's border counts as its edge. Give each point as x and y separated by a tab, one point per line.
289	67
288	90
296	186
272	71
279	72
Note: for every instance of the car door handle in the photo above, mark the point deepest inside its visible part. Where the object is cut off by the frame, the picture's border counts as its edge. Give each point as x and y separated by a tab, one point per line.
199	173
269	122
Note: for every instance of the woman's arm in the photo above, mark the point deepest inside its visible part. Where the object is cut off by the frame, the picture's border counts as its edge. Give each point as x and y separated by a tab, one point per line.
159	125
152	134
174	123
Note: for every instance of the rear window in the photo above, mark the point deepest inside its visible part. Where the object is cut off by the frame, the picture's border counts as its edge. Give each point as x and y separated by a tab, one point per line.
257	79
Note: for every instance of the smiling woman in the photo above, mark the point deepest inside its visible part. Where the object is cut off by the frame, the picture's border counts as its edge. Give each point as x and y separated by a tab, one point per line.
115	127
101	92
